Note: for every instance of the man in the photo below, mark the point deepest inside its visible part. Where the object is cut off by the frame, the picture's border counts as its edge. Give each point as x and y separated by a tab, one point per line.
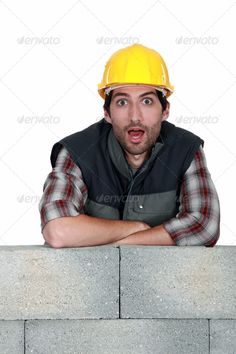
131	178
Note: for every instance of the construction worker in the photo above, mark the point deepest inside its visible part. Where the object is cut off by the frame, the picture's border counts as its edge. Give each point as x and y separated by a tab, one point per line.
132	177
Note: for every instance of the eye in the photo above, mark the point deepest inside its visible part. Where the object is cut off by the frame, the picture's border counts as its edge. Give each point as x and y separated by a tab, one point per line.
147	101
121	102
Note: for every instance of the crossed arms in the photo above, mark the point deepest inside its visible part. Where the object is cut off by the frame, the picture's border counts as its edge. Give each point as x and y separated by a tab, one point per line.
83	230
197	223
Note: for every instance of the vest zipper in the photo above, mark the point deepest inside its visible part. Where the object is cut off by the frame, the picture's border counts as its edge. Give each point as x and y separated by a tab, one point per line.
130	188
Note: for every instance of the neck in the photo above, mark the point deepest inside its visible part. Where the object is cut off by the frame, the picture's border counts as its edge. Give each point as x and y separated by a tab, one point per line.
135	161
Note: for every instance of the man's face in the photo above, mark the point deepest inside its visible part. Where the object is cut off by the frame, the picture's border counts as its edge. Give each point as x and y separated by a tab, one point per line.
136	116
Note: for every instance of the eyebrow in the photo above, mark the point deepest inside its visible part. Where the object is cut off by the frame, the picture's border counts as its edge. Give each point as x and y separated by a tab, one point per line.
127	95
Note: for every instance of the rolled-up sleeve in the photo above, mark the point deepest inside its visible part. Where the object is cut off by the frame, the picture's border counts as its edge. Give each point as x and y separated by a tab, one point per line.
64	191
198	220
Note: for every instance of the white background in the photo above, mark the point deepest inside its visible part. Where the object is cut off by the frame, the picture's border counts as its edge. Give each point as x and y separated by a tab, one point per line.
52	57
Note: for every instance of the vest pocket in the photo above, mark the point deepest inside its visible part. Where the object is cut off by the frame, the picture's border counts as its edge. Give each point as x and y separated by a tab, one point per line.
153	208
100	210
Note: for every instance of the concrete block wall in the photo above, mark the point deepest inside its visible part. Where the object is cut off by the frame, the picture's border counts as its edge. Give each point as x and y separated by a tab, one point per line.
118	300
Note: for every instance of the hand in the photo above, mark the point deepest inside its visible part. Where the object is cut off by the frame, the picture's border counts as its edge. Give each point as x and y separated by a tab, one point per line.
144	226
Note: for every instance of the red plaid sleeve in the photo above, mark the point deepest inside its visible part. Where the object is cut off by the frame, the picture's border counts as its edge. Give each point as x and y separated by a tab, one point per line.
198	220
64	192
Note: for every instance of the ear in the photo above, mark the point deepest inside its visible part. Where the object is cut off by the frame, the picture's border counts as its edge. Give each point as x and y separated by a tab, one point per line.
166	112
106	116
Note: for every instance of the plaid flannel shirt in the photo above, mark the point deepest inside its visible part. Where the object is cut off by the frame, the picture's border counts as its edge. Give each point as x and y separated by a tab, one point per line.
197	222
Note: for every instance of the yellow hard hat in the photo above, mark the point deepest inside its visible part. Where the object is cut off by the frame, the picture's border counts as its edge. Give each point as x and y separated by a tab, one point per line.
135	64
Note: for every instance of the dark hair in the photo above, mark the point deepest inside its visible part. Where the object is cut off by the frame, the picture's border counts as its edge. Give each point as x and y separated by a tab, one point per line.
160	95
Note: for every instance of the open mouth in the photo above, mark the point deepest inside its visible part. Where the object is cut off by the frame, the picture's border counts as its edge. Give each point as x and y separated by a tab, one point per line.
136	134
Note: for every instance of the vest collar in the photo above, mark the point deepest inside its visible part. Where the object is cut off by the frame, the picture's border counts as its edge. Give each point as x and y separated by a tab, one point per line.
118	157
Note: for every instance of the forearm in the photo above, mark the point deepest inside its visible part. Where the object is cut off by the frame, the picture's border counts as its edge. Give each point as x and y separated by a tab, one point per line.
84	230
198	220
156	236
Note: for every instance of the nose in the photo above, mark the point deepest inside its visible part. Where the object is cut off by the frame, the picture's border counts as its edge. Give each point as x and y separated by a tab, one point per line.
135	113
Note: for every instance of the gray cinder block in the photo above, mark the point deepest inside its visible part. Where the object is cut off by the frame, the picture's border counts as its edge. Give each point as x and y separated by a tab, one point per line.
12	337
178	282
223	336
44	283
117	337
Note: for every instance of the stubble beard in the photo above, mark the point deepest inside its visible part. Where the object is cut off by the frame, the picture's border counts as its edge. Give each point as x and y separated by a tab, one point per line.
151	135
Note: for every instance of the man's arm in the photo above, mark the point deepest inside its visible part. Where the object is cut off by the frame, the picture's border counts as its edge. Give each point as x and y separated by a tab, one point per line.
84	230
198	220
63	199
155	236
